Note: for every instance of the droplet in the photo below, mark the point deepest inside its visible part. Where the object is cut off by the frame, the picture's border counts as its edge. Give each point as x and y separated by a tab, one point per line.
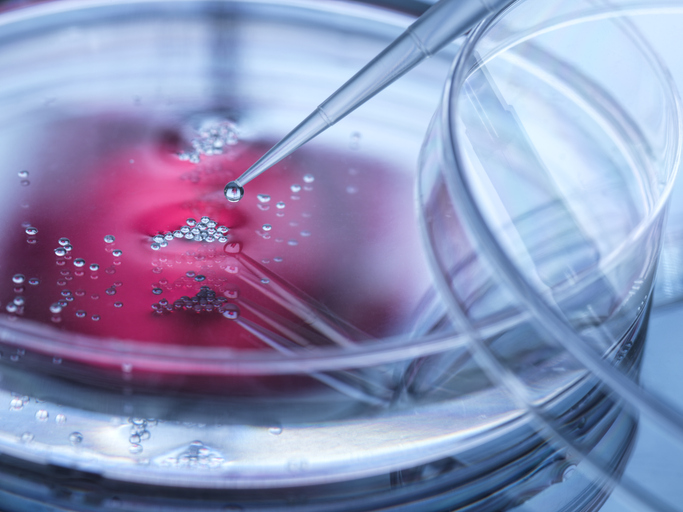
19	301
80	313
23	174
126	367
94	267
275	430
60	251
31	231
60	418
26	437
295	188
79	262
305	233
55	308
56	360
292	242
155	246
95	318
157	291
34	281
75	438
42	415
280	205
230	311
18	278
351	189
568	472
205	220
267	227
265	280
263	198
277	259
118	304
233	192
64	241
16	404
309	178
232	247
109	239
117	252
135	448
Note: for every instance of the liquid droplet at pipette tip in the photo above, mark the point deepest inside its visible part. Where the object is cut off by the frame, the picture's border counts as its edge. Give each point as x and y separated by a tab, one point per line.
233	192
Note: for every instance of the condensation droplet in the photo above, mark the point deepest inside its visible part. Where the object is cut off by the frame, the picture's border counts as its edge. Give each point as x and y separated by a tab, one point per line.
95	318
233	192
94	267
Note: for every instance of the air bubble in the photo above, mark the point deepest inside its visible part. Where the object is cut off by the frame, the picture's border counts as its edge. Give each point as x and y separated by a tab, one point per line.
295	188
18	278
109	239
309	178
117	252
305	233
233	192
42	415
280	205
75	438
79	262
31	231
267	227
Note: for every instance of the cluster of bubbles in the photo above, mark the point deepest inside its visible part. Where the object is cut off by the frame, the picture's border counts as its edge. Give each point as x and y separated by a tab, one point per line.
196	455
23	176
204	230
16	306
139	433
205	301
211	139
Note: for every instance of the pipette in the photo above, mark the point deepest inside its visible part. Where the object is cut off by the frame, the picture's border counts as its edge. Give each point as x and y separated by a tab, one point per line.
439	25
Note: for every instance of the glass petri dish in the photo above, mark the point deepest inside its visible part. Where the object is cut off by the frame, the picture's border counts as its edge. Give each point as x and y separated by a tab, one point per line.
301	359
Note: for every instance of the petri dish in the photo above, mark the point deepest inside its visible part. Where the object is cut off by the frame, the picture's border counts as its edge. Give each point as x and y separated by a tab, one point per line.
164	349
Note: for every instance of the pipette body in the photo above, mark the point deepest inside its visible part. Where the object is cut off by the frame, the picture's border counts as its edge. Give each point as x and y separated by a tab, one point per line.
438	26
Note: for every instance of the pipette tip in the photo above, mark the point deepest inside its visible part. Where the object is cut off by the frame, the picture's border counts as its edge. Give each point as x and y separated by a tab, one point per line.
233	192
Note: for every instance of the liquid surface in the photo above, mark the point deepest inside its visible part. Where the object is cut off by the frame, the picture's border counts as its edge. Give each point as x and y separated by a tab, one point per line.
122	231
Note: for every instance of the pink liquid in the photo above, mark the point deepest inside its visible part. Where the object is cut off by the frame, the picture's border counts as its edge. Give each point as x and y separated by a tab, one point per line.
335	249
